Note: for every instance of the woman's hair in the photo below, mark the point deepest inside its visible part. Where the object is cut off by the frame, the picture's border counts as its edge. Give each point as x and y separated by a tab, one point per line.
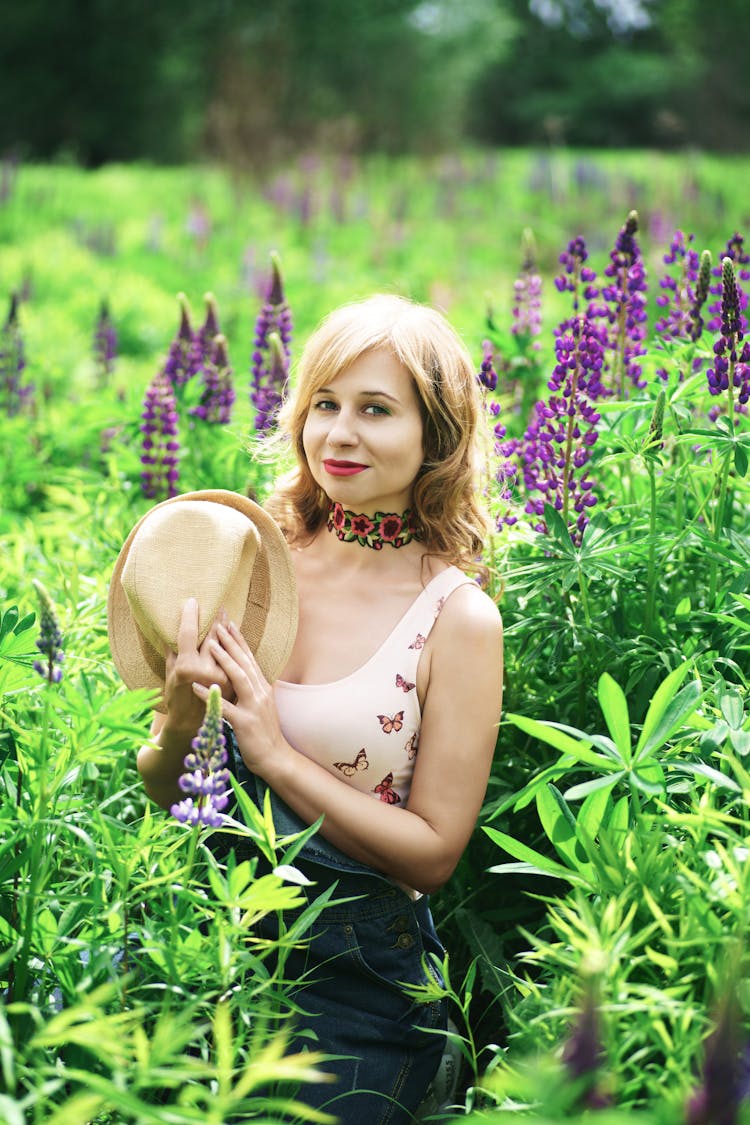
445	498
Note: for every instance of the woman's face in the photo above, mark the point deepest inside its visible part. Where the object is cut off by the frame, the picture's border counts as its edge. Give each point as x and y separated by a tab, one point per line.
363	435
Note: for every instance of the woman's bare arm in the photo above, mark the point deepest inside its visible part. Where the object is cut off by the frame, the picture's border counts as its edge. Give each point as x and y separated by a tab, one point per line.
419	845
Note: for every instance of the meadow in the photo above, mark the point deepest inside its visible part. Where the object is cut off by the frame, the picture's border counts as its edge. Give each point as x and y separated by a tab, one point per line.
596	924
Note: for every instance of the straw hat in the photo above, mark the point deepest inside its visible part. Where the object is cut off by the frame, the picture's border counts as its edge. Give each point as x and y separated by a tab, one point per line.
218	547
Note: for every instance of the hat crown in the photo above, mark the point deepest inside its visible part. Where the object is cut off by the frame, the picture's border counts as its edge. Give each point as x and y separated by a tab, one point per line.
193	549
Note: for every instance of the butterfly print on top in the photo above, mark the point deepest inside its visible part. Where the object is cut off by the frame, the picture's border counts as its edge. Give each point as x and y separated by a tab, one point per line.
412	746
386	792
418	641
405	685
350	768
389	723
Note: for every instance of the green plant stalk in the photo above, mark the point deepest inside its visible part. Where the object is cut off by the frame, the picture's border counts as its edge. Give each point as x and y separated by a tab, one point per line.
35	856
651	564
723	488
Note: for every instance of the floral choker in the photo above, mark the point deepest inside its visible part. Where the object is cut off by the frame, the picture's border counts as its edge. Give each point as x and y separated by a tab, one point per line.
375	532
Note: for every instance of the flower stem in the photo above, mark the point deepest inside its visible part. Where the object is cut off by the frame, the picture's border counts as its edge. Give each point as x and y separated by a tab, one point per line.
651	566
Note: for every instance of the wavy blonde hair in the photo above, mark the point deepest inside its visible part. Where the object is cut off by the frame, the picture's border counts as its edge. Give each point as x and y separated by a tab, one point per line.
445	495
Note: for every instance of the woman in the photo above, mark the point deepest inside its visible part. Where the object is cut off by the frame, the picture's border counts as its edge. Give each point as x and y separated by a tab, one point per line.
385	718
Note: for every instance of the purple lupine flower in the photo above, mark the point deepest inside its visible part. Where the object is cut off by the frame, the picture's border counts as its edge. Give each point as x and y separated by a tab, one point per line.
270	368
678	294
205	778
14	393
105	344
487	375
718	1098
160	444
574	272
735	251
217	398
527	294
583	1054
558	441
701	293
623	308
209	330
184	357
731	365
49	641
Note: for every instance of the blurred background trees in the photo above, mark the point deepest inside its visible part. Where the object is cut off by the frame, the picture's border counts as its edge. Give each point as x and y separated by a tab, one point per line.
250	81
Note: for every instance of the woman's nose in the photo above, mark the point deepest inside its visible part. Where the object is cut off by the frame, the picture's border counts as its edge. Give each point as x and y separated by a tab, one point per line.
342	430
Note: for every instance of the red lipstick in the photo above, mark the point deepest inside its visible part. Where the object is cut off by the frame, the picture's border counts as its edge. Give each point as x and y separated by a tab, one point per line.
343	468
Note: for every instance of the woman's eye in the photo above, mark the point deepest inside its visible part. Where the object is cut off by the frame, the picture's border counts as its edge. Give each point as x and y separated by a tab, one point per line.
324	404
375	408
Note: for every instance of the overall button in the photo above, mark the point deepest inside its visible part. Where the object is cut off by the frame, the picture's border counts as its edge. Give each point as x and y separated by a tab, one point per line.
348	929
404	941
400	924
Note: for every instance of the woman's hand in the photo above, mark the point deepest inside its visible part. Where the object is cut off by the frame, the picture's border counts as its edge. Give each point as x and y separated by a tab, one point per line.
192	663
253	714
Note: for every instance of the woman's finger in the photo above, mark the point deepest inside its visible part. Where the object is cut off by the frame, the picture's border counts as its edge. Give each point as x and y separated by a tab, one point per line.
233	642
187	634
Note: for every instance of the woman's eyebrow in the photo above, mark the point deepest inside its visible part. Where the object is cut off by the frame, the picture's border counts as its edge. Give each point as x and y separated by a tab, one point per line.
360	394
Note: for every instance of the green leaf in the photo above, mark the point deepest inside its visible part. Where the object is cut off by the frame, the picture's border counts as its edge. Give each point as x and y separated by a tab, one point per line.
740	459
649	778
740	740
557	526
614	707
730	705
560	829
588	788
536	860
667	712
547	732
719	779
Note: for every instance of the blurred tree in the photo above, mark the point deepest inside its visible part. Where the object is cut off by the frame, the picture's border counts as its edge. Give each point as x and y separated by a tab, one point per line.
611	72
374	74
584	74
252	80
103	79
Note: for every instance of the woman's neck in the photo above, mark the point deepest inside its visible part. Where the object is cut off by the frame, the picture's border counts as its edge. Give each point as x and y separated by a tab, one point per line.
379	531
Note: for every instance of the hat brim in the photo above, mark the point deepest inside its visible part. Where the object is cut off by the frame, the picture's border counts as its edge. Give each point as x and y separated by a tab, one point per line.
273	618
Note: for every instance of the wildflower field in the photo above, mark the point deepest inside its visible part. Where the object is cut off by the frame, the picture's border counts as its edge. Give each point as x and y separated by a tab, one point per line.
596	925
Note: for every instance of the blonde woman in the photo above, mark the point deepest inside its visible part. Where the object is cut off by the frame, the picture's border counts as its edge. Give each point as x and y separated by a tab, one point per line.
384	720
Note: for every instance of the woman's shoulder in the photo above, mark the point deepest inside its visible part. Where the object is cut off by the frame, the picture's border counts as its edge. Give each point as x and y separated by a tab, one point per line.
468	613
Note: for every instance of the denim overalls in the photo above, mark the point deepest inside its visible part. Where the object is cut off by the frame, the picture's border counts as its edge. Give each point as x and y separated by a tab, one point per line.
349	976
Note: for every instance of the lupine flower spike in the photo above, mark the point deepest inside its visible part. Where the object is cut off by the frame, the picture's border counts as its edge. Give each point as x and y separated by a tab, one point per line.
701	293
184	356
624	309
160	445
49	642
270	367
205	779
718	1098
735	251
217	399
583	1054
209	330
105	345
731	367
14	395
527	293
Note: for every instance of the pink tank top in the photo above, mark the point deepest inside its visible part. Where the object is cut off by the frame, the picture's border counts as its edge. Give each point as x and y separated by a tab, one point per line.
364	728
